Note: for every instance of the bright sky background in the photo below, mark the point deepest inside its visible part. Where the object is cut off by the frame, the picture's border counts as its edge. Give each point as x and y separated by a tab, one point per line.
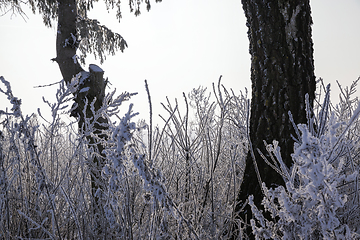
177	46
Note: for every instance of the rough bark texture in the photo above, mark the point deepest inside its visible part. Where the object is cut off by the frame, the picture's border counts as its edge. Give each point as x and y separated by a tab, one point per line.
282	72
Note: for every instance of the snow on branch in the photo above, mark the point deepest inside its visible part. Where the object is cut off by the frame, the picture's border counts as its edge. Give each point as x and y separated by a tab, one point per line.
309	205
16	103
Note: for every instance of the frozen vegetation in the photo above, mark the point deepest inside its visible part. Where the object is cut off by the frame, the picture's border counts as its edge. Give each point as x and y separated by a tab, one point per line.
179	181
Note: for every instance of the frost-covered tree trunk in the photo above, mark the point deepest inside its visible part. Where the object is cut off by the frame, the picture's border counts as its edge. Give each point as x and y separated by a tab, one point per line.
90	92
282	72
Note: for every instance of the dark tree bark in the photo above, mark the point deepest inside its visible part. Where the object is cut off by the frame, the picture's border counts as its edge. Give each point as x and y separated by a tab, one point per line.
282	72
67	39
67	42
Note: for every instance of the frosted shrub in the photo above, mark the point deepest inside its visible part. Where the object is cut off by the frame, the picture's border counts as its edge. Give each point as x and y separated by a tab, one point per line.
25	178
181	182
320	192
201	159
45	186
121	187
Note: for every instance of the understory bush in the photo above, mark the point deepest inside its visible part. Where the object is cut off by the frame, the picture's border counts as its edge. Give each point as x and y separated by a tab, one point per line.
177	181
320	199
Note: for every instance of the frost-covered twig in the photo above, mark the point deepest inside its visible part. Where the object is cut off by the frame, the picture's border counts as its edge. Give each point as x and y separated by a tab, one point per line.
13	100
152	184
150	118
38	225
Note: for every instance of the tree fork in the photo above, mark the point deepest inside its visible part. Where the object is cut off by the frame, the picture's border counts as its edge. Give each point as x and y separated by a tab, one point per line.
282	72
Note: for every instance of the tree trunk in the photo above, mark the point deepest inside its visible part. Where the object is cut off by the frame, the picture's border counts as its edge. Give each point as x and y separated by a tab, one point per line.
66	46
67	40
282	72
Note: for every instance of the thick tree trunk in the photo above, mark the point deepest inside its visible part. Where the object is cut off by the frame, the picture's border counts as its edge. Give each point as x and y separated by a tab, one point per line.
282	72
66	46
67	40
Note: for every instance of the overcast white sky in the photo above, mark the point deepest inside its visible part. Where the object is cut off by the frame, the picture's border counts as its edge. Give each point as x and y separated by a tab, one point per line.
177	46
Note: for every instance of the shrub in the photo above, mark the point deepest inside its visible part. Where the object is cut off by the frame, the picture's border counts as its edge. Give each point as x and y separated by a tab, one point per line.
321	192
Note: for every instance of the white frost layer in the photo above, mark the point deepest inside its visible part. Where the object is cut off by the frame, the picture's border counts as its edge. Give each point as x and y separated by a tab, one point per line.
74	58
85	89
95	68
84	75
